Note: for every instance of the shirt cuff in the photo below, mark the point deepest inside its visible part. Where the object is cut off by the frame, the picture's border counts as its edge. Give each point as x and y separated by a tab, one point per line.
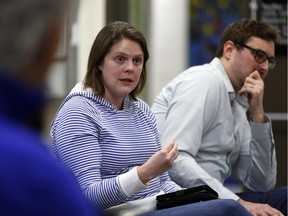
262	131
225	193
130	182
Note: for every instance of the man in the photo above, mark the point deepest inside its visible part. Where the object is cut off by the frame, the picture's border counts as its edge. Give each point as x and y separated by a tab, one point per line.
204	111
31	181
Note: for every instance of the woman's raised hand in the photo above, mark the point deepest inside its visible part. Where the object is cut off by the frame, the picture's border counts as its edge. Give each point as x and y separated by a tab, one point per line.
158	163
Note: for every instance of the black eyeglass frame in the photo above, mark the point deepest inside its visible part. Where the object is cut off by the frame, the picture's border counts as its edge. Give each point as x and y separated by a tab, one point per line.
255	52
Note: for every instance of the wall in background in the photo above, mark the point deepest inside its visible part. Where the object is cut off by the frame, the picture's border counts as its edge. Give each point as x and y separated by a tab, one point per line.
167	26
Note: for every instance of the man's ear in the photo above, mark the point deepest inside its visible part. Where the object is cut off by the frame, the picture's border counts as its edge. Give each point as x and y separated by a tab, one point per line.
37	69
228	49
50	43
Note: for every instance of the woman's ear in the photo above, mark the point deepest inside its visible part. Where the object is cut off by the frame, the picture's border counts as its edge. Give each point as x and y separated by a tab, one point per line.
100	67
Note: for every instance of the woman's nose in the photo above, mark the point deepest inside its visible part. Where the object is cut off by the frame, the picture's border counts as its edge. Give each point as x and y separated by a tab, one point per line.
129	66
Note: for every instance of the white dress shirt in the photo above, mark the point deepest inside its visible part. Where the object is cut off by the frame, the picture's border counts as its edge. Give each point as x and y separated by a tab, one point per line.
200	111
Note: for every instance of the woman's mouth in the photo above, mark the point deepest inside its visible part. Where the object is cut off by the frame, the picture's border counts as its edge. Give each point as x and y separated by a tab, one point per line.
126	80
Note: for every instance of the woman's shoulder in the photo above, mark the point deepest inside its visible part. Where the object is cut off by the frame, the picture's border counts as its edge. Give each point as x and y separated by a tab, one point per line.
77	107
76	103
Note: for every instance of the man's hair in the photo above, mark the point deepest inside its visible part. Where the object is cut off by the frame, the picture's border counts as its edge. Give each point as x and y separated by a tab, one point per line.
106	38
23	25
240	32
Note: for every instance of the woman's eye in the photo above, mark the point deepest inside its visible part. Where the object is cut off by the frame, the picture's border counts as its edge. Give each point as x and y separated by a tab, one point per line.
120	58
137	61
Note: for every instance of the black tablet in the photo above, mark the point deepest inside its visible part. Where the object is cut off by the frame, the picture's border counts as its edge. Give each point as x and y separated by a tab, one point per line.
186	196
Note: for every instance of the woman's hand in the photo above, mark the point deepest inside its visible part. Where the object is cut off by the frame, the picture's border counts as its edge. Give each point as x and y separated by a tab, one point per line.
158	163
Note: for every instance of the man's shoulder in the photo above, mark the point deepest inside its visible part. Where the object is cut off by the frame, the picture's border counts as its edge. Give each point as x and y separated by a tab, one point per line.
202	77
196	75
25	155
30	175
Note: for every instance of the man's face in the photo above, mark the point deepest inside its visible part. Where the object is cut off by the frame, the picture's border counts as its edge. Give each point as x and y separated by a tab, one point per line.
245	60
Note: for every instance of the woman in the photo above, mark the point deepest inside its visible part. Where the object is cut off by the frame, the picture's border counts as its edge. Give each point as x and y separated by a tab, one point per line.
108	137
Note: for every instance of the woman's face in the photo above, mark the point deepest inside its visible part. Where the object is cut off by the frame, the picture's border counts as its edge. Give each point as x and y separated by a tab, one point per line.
121	70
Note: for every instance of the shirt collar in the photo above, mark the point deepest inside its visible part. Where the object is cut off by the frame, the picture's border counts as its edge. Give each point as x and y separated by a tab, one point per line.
217	64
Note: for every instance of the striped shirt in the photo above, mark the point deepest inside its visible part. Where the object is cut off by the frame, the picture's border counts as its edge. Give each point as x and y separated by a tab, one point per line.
100	143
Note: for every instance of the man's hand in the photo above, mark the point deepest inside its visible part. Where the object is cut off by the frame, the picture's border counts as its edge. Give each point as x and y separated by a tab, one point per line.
254	87
158	163
258	209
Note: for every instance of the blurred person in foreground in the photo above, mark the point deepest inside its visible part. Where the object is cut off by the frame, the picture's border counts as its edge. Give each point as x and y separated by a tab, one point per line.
108	137
32	182
215	113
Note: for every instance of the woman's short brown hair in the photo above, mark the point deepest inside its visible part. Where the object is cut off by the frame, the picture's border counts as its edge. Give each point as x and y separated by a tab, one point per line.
240	32
106	38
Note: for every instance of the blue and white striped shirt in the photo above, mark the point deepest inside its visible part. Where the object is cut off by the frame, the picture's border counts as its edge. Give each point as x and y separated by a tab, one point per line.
100	143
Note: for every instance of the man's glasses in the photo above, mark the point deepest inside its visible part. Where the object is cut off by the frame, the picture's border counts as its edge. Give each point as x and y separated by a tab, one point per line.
260	56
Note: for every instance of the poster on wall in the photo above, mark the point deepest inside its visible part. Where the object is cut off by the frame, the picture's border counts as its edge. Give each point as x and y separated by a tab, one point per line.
274	13
209	18
207	21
